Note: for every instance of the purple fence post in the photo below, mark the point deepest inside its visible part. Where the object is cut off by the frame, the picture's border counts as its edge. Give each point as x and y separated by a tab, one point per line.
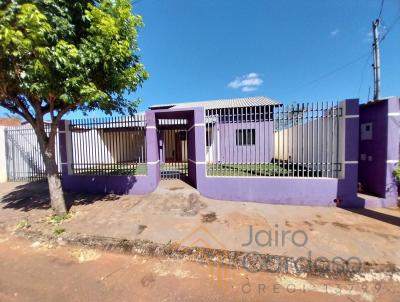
197	151
348	155
152	154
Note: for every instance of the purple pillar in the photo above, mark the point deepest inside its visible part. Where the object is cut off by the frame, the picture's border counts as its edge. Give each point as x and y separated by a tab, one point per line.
379	150
152	152
196	148
348	155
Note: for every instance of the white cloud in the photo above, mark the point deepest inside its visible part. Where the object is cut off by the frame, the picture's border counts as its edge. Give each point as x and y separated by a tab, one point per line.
335	32
247	82
368	37
249	88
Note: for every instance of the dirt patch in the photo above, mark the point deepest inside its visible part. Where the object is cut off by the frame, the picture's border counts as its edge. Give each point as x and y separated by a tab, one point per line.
287	282
169	268
180	204
141	228
176	188
209	217
386	236
362	230
148	280
308	223
85	255
239	220
320	222
341	225
194	205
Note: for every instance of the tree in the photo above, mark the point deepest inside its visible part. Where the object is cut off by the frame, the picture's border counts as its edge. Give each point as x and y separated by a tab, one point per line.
58	56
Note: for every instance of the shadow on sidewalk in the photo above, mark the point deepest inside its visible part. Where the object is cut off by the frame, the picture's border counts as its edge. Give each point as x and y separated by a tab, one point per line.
394	220
35	196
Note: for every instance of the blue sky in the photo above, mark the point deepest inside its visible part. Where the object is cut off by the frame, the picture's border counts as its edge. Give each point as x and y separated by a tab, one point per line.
208	49
199	50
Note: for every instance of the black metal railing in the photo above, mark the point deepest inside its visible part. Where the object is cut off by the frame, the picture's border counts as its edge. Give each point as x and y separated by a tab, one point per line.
109	146
298	140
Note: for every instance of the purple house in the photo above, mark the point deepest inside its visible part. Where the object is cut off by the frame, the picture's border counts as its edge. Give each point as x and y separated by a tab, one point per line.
249	149
238	131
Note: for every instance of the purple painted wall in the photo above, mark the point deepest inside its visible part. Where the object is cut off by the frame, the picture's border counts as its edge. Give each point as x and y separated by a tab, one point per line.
114	184
261	151
372	161
186	113
379	149
347	185
393	152
279	190
134	185
287	190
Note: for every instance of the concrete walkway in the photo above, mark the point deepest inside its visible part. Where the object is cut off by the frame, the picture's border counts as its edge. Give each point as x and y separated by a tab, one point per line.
176	213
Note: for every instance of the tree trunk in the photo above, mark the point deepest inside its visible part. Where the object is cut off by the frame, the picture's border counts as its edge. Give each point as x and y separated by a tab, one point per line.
55	189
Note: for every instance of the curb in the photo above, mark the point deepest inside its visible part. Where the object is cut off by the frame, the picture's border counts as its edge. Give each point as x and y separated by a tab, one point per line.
252	262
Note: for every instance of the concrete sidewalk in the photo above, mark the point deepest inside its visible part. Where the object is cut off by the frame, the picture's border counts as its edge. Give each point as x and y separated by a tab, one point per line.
176	213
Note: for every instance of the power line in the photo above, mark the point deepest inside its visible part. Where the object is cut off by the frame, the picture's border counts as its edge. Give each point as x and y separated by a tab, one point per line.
390	28
349	63
382	38
381	9
363	73
328	74
355	60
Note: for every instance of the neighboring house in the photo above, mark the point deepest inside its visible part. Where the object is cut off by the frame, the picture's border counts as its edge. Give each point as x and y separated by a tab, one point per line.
24	159
9	122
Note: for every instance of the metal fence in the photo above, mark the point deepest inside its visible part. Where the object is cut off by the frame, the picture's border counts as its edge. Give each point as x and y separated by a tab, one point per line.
172	134
300	140
109	146
24	159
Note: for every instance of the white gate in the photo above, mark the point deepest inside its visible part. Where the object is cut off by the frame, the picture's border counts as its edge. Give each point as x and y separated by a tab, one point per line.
24	160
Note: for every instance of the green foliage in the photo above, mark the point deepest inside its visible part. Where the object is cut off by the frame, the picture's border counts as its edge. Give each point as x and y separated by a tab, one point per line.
57	219
397	174
23	224
58	231
60	55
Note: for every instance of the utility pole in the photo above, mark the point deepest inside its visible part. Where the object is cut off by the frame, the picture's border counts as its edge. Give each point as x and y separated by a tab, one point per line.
377	61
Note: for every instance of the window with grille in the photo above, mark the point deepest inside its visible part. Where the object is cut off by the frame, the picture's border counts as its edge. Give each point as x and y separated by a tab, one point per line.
245	137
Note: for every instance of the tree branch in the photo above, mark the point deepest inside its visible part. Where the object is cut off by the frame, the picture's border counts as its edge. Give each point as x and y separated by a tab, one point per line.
24	110
13	109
